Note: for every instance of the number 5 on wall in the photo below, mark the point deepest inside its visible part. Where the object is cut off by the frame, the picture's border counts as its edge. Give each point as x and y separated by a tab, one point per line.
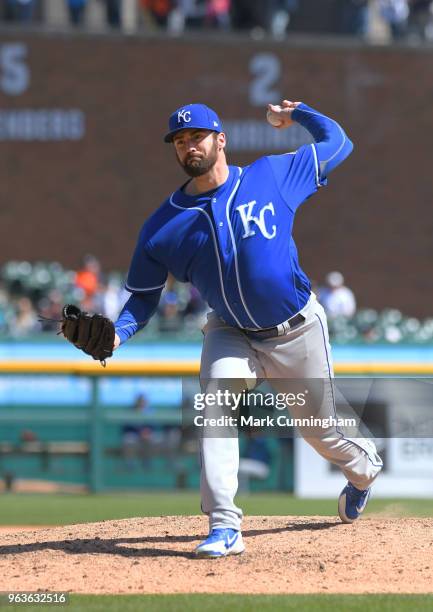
14	72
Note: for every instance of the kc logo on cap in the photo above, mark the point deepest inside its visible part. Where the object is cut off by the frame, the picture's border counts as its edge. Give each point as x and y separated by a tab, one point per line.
184	115
192	116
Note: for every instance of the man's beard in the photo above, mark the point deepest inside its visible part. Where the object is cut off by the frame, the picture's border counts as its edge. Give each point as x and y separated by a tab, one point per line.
201	166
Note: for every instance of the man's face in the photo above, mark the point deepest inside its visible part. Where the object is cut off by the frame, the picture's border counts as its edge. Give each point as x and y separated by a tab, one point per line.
196	150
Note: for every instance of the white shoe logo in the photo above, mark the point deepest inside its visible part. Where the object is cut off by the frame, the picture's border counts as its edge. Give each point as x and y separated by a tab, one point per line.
362	506
232	540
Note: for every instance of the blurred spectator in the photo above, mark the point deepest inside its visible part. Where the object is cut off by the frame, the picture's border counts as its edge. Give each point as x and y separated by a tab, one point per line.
421	19
159	10
253	15
19	10
76	9
141	442
193	12
271	17
50	310
258	16
47	287
395	13
113	298
88	279
281	17
26	321
337	299
32	290
4	308
176	15
218	14
354	16
137	438
28	435
170	320
113	11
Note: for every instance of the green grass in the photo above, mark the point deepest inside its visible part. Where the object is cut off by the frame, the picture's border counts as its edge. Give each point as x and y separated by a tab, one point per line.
241	603
56	509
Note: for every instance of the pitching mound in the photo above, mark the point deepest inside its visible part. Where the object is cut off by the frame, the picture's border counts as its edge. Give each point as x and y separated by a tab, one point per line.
284	555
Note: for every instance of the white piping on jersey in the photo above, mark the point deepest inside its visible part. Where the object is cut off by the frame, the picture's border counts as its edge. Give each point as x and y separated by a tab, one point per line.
143	288
216	252
238	280
326	161
316	164
131	324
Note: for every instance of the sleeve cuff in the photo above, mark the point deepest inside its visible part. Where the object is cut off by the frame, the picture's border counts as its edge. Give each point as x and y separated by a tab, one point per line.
123	335
297	113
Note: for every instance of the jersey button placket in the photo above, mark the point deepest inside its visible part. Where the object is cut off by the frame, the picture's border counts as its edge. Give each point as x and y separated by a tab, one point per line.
222	237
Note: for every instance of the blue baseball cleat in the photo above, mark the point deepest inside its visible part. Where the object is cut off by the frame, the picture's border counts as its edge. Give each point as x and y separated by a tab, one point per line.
352	502
221	543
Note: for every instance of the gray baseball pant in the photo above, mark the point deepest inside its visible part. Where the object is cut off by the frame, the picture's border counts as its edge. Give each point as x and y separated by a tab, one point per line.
231	359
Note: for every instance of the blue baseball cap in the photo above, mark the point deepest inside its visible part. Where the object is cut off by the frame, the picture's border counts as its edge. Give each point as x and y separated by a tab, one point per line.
195	116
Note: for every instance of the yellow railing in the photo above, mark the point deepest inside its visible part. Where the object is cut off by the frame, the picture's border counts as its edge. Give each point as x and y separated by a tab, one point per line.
185	368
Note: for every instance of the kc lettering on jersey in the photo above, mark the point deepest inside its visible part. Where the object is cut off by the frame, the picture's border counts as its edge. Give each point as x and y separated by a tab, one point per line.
246	213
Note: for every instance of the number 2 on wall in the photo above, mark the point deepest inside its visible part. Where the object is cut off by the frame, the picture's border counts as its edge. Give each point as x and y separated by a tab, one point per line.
266	70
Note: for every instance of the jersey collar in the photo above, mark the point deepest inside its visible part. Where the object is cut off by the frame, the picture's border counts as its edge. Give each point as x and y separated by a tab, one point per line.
180	198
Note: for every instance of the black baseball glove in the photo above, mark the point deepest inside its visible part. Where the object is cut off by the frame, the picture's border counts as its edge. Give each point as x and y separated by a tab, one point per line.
93	334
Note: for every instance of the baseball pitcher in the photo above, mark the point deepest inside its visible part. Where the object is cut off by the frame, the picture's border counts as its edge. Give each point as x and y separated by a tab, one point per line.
228	231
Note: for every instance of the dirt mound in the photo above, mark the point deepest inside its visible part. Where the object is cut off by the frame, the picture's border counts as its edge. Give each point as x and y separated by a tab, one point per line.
284	555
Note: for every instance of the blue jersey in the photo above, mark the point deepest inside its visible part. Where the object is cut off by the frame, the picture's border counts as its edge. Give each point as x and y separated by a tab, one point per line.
235	243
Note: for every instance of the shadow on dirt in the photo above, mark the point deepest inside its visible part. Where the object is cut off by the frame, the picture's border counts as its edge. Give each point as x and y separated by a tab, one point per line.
124	546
